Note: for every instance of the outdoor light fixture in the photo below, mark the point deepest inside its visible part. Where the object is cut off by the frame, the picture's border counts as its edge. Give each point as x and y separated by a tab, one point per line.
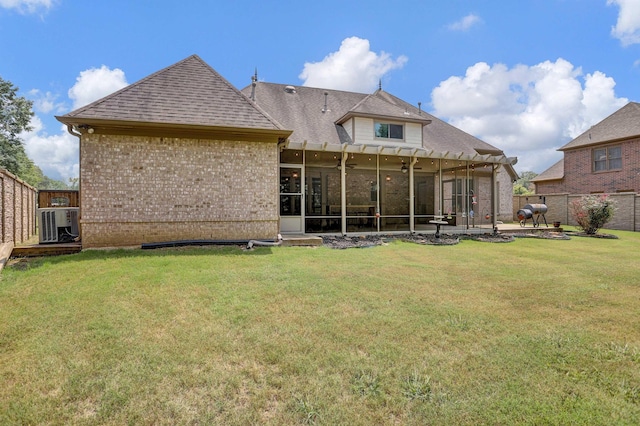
404	169
388	178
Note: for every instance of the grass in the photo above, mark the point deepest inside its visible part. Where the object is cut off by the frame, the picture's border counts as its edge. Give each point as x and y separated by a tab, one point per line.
530	332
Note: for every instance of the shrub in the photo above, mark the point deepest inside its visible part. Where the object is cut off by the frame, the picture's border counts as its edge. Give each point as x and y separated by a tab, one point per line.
592	212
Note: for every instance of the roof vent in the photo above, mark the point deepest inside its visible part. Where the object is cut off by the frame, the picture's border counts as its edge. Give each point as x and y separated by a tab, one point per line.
290	89
326	106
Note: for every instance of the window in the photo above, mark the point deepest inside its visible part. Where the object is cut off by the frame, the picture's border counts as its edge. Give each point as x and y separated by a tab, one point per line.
389	131
454	199
609	158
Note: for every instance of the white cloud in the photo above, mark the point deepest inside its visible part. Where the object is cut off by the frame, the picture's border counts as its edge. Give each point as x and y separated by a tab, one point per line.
26	6
354	67
465	23
527	111
95	83
45	102
627	28
56	155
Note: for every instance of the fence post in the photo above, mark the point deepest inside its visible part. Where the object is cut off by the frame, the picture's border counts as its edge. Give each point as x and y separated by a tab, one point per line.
17	200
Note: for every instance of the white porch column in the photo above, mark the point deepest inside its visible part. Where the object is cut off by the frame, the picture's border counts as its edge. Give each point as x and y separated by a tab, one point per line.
412	227
343	192
441	189
494	209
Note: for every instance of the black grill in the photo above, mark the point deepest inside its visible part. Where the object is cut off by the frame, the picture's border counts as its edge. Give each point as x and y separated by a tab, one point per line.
531	210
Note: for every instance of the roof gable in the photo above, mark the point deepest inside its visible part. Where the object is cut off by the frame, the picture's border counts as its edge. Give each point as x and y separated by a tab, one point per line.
188	92
622	124
380	104
439	135
554	172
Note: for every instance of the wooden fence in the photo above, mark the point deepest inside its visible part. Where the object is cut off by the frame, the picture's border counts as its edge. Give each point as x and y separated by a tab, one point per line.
58	198
18	209
626	216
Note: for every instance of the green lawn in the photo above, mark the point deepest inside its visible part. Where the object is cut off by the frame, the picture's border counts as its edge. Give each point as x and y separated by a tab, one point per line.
528	332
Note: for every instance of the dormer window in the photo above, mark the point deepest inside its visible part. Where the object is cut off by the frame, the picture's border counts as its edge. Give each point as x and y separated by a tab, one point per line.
388	130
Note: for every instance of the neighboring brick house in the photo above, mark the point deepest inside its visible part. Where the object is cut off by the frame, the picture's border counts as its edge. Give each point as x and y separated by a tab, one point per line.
183	155
604	159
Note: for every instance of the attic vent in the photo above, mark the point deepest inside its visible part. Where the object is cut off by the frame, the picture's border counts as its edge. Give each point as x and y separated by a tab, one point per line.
326	106
290	89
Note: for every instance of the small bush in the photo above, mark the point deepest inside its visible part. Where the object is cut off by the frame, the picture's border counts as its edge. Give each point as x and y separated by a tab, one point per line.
592	212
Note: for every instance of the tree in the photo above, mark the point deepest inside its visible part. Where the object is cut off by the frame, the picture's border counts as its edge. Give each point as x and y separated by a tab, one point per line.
74	183
27	169
15	116
524	186
48	183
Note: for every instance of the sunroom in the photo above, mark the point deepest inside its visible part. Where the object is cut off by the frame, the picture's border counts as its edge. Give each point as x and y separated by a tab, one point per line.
346	189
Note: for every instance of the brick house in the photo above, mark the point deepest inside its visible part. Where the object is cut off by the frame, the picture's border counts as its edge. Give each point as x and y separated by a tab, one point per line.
183	155
604	159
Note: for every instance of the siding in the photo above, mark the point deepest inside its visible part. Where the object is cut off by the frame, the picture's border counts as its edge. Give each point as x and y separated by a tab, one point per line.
364	134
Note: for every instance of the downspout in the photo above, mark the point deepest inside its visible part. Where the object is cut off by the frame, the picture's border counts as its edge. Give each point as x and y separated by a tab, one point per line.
71	130
252	243
412	213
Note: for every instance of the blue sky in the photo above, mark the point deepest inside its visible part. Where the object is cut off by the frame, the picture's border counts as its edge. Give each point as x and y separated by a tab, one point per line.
525	76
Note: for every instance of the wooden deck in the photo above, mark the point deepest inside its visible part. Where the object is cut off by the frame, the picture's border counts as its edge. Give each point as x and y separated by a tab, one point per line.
53	249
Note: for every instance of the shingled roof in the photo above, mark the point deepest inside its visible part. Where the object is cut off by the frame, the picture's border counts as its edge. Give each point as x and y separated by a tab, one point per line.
554	172
188	93
622	124
302	109
382	104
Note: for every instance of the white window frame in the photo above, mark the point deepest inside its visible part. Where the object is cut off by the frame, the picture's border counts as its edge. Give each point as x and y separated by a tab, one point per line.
389	124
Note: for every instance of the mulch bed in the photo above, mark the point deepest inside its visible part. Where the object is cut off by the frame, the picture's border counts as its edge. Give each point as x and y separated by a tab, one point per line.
364	241
597	235
546	235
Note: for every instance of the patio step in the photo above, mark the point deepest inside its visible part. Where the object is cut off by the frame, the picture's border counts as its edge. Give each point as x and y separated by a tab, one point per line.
301	240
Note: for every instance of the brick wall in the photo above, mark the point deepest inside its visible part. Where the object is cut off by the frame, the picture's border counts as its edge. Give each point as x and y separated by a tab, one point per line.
137	189
18	209
579	178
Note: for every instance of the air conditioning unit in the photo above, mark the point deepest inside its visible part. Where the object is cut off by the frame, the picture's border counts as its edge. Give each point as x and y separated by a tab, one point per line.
58	225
